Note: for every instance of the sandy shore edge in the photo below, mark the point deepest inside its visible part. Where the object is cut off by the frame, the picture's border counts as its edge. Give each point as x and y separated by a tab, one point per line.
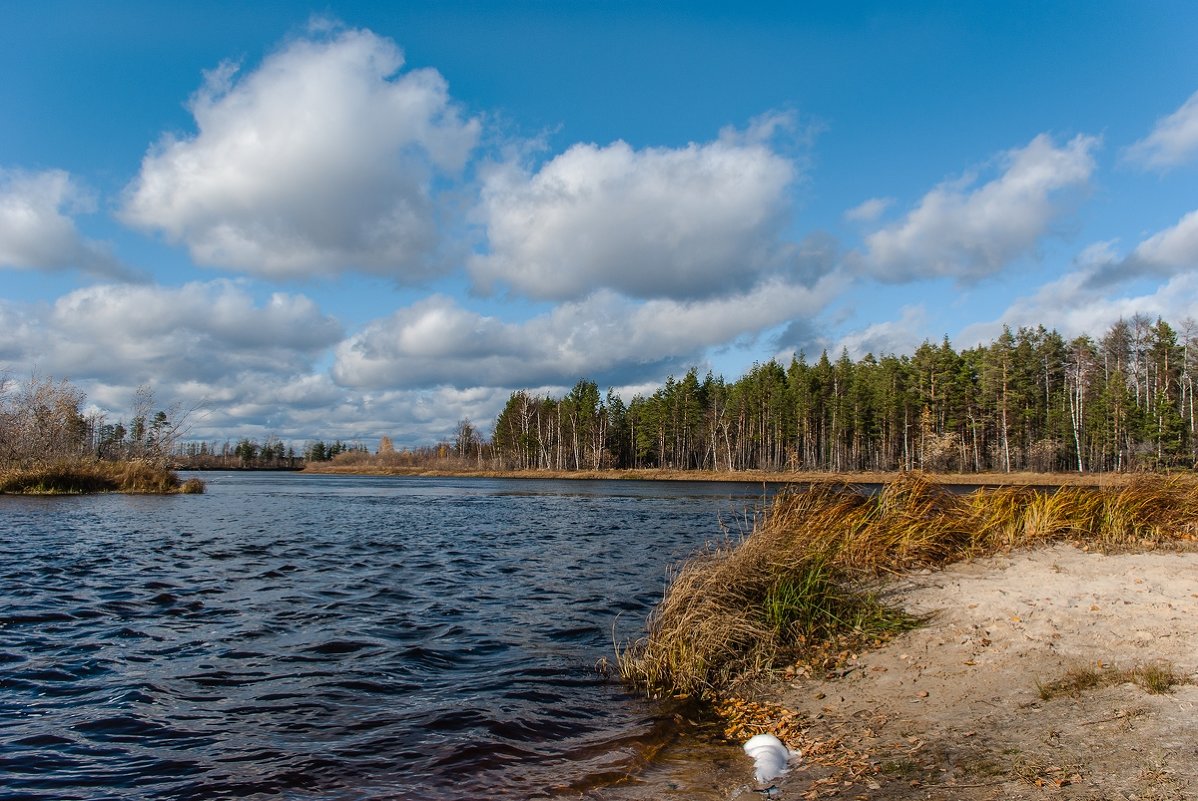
953	710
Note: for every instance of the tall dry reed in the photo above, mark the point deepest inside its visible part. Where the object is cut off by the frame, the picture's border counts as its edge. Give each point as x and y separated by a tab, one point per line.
75	478
733	611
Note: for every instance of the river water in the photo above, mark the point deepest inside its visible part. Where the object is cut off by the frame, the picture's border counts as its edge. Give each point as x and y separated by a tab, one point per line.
337	637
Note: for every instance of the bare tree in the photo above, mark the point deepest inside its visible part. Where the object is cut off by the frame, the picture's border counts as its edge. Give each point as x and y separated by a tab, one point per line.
153	434
466	439
41	422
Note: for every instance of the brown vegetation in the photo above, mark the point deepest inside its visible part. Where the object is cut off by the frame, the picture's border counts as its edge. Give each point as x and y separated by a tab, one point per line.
427	461
797	586
48	445
136	477
1157	678
409	463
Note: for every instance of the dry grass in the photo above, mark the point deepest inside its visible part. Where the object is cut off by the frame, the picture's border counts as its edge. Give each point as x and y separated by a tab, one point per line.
1157	678
794	585
365	464
77	478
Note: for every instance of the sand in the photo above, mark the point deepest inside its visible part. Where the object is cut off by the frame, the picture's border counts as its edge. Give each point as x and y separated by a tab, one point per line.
953	710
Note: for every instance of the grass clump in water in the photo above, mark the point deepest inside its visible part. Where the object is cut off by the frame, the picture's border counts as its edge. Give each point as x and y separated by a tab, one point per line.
798	584
78	478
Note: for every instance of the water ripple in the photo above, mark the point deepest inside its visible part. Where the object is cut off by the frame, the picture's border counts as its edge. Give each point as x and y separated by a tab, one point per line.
331	638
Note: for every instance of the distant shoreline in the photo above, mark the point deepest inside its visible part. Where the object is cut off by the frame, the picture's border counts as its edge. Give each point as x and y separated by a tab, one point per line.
235	469
740	476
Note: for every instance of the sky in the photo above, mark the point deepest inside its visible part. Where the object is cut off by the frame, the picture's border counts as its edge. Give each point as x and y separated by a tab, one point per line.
353	219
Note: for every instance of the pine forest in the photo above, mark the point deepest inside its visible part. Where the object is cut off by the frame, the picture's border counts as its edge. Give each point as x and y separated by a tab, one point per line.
1028	401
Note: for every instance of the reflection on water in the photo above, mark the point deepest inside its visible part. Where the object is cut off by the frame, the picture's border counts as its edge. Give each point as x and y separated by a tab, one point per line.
325	637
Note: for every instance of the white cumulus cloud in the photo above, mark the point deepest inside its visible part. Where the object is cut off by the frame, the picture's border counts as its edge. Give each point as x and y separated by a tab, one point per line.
966	231
1075	305
324	158
36	231
1173	141
606	337
870	210
204	333
887	337
1173	249
657	222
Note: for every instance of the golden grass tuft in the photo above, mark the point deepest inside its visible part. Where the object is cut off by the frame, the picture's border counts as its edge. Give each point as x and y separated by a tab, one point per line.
797	582
78	478
1156	678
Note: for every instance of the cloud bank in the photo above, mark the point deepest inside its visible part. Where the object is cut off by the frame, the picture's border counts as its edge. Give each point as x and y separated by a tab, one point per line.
200	334
606	337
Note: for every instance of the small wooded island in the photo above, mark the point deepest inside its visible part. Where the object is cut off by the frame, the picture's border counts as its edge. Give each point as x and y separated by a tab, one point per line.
48	446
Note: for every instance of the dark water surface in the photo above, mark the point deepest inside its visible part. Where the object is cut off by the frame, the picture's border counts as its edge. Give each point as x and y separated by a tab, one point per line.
320	637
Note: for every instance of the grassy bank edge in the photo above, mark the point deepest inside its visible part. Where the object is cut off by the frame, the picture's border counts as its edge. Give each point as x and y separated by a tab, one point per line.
746	476
83	478
802	584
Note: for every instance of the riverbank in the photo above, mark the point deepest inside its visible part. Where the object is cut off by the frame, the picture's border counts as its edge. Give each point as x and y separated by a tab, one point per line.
816	604
799	586
1033	674
744	476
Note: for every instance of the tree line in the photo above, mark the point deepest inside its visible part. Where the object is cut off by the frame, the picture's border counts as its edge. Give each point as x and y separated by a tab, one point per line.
250	454
1028	400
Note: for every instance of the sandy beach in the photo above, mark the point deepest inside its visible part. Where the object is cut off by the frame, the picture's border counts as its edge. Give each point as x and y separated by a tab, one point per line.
953	710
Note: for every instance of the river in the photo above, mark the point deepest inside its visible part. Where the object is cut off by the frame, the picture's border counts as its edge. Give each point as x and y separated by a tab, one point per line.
338	637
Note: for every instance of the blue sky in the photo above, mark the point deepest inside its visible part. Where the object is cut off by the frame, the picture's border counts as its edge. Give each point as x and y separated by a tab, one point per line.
354	219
